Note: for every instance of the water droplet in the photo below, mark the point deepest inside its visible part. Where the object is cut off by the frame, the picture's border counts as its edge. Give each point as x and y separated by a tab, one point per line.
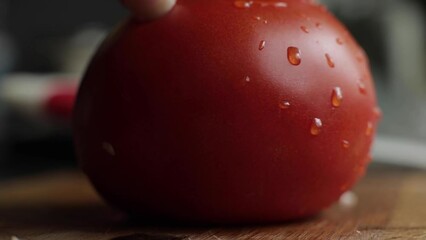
337	97
339	41
318	25
284	105
316	127
108	148
346	144
330	61
378	112
249	4
369	129
280	4
243	4
305	29
361	56
362	88
262	45
294	56
260	19
248	79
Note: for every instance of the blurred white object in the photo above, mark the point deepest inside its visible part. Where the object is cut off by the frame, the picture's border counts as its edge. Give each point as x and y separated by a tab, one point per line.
348	200
399	151
404	96
353	9
28	94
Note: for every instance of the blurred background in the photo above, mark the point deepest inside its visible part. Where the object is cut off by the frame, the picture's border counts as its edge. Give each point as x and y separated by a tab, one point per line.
45	46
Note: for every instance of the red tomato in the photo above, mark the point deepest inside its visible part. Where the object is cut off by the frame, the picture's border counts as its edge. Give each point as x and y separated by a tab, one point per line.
227	112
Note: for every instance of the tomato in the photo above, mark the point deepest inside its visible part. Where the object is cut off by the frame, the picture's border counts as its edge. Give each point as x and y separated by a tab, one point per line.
227	112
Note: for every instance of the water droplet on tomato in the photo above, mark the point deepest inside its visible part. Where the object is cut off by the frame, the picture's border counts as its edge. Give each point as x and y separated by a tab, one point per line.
378	112
362	88
305	29
262	44
260	19
294	56
346	144
318	25
284	105
248	79
361	56
248	4
339	41
337	97
369	129
243	4
316	127
330	61
108	148
280	4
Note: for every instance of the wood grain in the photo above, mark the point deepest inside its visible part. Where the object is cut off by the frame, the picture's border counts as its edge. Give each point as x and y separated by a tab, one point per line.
391	205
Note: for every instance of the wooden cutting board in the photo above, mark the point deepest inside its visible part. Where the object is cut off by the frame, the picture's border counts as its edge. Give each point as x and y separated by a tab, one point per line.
390	203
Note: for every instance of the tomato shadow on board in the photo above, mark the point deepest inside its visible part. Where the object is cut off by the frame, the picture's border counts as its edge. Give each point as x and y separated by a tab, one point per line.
84	217
99	218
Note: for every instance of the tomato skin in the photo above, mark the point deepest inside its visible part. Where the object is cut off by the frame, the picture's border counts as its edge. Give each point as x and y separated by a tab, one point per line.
181	118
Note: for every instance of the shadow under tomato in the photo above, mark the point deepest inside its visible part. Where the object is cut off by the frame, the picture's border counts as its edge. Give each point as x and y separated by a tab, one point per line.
99	218
57	217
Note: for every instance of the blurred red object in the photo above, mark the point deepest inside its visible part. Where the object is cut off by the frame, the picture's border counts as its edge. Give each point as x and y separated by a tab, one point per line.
40	98
60	101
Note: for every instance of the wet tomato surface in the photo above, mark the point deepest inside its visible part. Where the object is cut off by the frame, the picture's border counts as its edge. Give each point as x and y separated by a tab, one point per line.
227	112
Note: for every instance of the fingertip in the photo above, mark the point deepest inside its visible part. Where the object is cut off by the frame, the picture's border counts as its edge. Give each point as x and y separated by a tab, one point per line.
149	9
